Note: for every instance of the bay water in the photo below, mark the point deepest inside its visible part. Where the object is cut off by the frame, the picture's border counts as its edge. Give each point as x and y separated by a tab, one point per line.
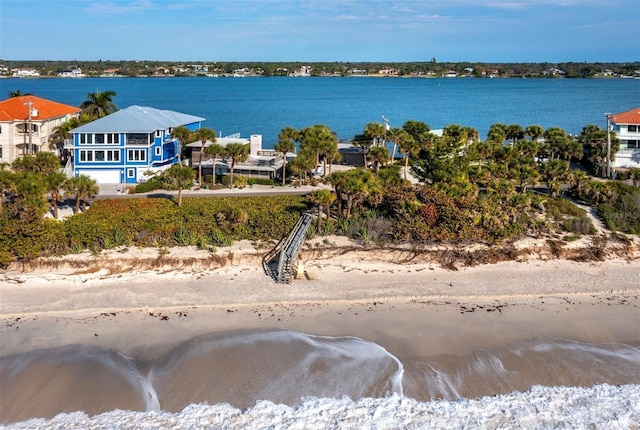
265	105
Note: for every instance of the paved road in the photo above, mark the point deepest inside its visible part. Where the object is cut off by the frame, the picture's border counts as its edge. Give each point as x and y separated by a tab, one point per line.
112	191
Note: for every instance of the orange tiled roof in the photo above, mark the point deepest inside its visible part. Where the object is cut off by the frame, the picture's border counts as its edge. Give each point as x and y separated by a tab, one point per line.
16	108
629	117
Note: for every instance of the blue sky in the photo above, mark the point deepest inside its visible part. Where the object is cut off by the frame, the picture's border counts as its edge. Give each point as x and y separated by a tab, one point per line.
321	30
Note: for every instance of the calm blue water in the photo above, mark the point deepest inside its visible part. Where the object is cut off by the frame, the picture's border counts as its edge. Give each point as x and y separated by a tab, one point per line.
266	105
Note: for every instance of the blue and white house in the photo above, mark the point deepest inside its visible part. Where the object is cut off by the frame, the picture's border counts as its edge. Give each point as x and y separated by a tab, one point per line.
119	148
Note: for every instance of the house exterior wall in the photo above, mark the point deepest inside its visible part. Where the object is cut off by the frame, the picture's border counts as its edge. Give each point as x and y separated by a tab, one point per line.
101	155
628	156
14	136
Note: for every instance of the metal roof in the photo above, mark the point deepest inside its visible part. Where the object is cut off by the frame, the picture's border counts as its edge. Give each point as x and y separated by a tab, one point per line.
137	119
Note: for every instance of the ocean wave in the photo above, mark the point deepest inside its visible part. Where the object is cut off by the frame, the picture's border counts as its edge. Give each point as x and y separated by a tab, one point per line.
601	406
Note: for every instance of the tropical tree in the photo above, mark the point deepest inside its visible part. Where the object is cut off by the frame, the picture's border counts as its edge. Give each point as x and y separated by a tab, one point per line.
303	163
214	150
318	140
83	187
578	180
555	173
535	132
514	132
203	134
322	199
595	141
99	104
41	163
183	136
408	146
417	129
54	185
379	155
235	152
497	133
284	146
525	171
375	131
28	202
181	177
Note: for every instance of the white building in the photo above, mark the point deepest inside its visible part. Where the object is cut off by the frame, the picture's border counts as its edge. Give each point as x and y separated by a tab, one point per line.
626	126
27	123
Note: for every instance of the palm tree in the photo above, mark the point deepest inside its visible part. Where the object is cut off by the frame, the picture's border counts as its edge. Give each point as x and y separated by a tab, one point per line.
323	199
183	135
29	201
497	133
408	146
99	104
375	131
54	183
395	136
525	171
535	132
236	152
182	177
203	134
214	151
555	173
379	155
83	187
284	146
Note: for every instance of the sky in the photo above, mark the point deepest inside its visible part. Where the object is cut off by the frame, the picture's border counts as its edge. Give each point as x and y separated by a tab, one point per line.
321	30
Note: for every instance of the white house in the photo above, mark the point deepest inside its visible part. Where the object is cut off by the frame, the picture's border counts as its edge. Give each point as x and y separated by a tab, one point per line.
27	123
626	126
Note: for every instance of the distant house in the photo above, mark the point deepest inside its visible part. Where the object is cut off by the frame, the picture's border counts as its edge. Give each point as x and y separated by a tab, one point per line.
27	123
25	73
122	146
626	126
76	72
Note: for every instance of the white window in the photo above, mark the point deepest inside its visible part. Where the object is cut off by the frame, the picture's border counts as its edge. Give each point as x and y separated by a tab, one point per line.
137	155
158	151
131	173
113	155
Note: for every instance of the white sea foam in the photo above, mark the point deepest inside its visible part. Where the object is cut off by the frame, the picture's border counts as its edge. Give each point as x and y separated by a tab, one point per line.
601	406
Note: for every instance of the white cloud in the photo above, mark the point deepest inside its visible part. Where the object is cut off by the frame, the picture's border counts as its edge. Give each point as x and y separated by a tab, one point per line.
114	8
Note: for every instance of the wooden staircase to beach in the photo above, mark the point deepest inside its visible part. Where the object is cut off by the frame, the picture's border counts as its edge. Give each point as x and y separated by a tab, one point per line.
279	263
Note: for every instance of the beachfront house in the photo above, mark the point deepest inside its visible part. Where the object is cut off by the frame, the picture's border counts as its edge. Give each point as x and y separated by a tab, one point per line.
120	147
265	164
626	126
27	123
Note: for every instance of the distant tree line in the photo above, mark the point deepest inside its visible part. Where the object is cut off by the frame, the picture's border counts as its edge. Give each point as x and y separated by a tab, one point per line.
337	68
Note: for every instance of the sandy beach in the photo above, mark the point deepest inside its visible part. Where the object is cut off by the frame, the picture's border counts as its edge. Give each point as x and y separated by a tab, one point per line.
143	302
86	298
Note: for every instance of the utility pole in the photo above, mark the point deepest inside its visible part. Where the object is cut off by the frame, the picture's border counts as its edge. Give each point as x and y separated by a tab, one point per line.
386	127
29	106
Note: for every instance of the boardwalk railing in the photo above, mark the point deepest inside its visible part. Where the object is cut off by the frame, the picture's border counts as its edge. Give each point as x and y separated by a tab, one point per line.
280	261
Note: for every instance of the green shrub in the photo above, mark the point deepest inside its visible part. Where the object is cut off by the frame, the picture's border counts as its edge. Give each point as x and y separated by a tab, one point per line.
150	185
